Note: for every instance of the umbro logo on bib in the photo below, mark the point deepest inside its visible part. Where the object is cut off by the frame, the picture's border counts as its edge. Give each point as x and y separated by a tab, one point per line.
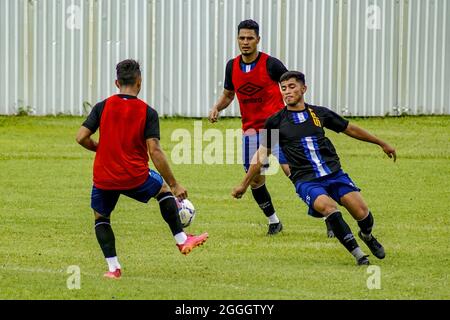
249	89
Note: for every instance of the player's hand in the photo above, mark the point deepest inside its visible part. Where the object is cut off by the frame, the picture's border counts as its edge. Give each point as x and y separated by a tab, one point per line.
213	115
238	191
390	151
179	191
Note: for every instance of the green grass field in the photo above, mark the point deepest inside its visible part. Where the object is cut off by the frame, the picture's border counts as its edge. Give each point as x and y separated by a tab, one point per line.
47	224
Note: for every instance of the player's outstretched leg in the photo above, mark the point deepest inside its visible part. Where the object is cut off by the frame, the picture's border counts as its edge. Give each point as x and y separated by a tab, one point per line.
107	242
344	235
357	207
169	210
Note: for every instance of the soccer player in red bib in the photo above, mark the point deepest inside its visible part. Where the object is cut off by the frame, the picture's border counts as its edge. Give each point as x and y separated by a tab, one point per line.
253	77
129	133
315	167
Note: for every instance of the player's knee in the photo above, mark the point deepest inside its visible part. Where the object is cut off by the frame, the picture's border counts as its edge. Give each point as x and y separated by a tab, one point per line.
329	209
165	188
98	216
325	206
362	210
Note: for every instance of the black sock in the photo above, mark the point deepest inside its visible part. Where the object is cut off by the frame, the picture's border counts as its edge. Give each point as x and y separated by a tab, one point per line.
169	211
105	237
263	199
366	224
342	231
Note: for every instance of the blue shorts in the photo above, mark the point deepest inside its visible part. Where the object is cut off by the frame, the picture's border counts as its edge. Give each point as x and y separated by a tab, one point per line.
250	144
104	201
335	185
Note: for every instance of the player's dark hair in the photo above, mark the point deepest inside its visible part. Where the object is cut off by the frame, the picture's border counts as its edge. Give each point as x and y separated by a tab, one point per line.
128	71
249	24
300	77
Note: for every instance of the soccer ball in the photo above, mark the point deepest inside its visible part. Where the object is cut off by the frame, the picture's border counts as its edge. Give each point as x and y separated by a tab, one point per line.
186	211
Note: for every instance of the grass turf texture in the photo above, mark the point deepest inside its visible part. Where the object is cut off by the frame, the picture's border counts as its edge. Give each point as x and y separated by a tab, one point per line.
47	223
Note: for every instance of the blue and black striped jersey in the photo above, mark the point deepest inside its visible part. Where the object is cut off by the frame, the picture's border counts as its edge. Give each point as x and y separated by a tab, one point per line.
301	135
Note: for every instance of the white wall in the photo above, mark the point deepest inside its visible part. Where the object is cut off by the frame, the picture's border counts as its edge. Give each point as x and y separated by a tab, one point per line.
55	54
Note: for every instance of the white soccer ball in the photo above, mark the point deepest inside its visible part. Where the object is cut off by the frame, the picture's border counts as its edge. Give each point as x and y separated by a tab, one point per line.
186	211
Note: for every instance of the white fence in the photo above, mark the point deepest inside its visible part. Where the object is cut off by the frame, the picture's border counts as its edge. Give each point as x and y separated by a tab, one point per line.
360	57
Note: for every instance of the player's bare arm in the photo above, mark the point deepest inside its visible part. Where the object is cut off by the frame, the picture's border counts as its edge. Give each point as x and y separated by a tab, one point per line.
361	134
258	160
224	101
159	159
85	140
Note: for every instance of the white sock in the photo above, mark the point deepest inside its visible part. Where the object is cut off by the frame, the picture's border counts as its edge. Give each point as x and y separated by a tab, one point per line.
180	238
113	264
358	253
274	219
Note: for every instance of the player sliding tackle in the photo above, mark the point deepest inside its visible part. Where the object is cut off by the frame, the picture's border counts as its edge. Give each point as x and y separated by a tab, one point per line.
315	168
